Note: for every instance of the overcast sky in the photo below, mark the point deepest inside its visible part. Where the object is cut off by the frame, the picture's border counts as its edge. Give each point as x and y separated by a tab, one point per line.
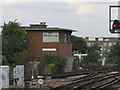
88	18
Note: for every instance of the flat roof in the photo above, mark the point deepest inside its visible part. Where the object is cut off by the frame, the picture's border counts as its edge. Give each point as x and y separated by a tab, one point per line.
49	29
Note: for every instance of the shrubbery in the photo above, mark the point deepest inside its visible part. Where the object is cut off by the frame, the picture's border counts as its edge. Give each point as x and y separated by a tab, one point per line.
51	64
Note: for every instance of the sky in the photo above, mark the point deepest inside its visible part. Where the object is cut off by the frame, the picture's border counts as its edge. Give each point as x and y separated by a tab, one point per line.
89	17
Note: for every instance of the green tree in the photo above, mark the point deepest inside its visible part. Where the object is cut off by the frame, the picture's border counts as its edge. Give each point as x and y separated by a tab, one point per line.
78	44
13	42
114	55
93	56
55	63
24	57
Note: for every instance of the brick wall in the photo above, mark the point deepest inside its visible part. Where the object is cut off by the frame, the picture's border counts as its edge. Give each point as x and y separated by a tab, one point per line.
36	44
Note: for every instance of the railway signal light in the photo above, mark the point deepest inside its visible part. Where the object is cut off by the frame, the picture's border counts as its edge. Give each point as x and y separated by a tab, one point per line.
116	25
119	26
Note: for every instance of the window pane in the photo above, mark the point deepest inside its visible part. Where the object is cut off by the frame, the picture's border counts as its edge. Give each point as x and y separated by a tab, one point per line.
50	37
110	44
88	44
105	44
65	38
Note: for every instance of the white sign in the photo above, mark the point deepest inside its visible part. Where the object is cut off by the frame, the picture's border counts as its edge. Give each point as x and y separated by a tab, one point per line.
49	49
18	72
4	77
49	78
40	77
40	81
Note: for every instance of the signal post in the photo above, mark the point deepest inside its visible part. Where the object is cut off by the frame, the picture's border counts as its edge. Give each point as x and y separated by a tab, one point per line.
114	25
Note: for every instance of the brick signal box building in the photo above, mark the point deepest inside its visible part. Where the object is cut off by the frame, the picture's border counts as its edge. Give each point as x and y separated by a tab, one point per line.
55	41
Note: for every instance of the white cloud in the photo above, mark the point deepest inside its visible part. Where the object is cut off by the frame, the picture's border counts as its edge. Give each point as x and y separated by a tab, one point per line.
60	1
15	0
85	9
88	18
11	2
69	1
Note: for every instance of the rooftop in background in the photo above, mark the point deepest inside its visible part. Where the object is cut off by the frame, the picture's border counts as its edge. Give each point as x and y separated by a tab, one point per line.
42	26
51	29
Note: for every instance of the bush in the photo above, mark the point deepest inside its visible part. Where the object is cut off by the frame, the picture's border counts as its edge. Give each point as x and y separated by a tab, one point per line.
52	64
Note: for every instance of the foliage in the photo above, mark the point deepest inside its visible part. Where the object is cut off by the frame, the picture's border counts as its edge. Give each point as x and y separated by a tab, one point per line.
93	48
5	61
55	62
93	56
22	58
114	56
13	42
78	44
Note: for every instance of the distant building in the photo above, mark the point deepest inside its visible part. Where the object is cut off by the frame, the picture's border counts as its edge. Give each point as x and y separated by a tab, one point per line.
81	56
55	41
104	43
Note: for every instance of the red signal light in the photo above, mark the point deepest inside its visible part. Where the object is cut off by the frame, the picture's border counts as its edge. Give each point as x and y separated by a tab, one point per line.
115	25
119	25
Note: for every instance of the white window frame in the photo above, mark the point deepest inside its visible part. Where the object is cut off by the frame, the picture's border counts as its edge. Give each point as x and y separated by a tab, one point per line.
50	36
65	38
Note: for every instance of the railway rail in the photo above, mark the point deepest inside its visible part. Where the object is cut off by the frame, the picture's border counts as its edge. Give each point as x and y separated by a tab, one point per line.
90	78
91	82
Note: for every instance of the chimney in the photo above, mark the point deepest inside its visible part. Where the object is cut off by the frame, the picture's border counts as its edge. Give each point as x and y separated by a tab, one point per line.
41	25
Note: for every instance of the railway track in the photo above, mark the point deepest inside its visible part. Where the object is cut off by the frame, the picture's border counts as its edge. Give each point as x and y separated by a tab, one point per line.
103	85
74	82
91	82
100	82
91	78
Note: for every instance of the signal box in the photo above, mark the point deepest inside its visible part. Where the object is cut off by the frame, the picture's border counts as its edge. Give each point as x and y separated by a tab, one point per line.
114	24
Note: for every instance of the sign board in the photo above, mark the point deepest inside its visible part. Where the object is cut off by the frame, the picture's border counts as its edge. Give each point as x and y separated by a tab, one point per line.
4	77
34	81
114	27
49	49
49	78
40	81
40	77
18	73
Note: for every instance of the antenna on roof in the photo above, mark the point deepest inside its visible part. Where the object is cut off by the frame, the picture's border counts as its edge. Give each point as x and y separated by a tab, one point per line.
15	20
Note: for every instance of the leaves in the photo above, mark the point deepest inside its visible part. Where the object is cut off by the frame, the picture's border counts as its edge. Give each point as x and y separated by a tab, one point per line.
114	55
56	62
13	41
78	44
93	56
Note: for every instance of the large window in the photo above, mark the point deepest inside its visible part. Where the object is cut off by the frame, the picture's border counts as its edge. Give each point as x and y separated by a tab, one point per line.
105	44
110	44
88	44
50	37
